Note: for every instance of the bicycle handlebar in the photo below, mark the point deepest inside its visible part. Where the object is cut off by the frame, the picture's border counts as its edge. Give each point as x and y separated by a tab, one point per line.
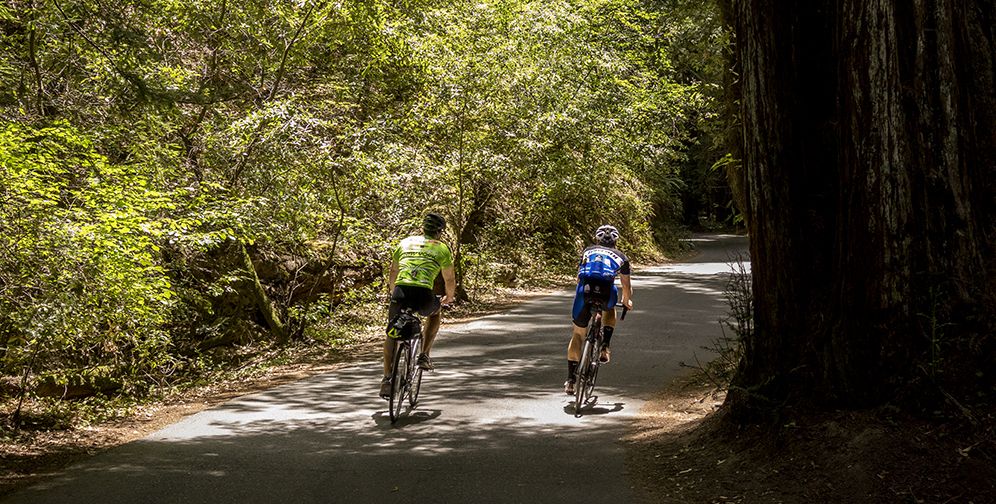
446	306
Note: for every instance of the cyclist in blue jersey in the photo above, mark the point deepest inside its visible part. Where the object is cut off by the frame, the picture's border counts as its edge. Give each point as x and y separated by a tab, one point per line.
598	268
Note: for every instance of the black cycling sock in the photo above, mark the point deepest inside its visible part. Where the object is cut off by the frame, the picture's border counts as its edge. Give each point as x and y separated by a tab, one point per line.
607	335
572	366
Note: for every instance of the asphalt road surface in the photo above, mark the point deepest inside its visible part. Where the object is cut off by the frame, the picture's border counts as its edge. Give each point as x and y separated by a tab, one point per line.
492	424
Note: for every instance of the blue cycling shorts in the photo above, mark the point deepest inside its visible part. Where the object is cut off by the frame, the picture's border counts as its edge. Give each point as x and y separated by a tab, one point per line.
605	294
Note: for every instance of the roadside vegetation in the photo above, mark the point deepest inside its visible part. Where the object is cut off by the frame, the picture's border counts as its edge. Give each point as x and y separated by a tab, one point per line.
191	190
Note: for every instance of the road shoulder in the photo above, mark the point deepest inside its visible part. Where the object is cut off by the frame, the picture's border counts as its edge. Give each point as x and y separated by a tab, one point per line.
682	449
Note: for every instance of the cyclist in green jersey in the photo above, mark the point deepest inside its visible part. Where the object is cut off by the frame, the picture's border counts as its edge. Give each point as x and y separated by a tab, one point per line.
416	262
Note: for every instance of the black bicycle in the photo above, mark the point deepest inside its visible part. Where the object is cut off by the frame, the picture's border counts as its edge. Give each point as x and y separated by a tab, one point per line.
587	371
406	375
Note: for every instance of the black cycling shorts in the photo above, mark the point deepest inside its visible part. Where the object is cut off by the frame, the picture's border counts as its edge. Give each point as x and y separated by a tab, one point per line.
420	299
604	294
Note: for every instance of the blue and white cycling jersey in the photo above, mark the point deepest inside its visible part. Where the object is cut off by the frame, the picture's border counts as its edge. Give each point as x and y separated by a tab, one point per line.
602	264
598	267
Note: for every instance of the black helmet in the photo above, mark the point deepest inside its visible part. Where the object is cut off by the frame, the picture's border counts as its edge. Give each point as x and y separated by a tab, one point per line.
607	235
433	224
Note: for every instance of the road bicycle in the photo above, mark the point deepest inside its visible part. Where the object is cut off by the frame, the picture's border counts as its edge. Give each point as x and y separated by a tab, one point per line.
587	371
406	375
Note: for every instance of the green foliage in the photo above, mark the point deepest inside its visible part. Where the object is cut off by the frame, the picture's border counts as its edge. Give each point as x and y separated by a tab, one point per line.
82	284
148	142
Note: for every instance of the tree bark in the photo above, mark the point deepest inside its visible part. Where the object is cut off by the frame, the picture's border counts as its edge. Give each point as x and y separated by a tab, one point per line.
870	153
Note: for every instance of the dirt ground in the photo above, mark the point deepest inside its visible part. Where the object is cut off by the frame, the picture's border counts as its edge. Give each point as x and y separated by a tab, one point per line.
684	451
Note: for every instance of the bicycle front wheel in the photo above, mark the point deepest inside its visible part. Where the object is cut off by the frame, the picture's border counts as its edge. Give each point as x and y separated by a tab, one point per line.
398	379
581	389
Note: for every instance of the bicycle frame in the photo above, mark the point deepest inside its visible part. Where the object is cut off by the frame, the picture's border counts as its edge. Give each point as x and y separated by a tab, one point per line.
406	376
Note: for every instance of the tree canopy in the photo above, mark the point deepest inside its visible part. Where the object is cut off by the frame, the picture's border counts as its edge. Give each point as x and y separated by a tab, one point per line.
177	175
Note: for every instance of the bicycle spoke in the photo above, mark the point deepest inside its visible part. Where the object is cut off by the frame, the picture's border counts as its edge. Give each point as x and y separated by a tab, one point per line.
416	380
592	370
398	375
581	382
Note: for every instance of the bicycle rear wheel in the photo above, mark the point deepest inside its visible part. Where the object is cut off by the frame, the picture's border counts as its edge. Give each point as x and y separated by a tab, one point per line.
588	367
595	337
416	382
398	378
594	364
583	375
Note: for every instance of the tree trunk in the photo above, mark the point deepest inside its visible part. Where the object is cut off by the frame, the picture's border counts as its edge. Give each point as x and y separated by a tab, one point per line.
270	313
870	153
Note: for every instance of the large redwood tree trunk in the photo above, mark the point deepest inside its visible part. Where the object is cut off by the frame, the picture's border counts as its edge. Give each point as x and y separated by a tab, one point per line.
870	149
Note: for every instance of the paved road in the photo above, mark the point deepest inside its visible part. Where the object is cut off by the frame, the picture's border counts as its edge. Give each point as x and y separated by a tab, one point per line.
492	423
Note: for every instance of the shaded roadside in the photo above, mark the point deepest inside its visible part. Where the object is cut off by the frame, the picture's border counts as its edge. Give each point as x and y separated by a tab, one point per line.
33	455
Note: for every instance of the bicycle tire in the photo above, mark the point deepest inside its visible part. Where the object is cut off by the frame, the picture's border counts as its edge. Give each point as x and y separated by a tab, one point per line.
593	366
585	383
581	381
398	375
416	381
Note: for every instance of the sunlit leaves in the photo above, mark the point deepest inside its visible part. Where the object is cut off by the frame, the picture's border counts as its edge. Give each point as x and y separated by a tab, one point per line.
79	264
166	131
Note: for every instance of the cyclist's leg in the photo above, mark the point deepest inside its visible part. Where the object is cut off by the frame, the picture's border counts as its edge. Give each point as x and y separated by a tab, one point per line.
388	356
608	324
577	339
609	315
428	307
389	344
580	315
432	313
608	321
432	323
397	298
574	352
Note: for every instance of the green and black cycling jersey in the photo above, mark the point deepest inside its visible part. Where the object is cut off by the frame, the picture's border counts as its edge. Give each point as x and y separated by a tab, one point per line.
419	260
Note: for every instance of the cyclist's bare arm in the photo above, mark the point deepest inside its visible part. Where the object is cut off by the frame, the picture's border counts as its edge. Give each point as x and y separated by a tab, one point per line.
627	291
449	278
392	277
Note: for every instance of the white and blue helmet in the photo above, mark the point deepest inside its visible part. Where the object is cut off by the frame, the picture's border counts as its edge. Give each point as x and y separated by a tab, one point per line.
607	235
